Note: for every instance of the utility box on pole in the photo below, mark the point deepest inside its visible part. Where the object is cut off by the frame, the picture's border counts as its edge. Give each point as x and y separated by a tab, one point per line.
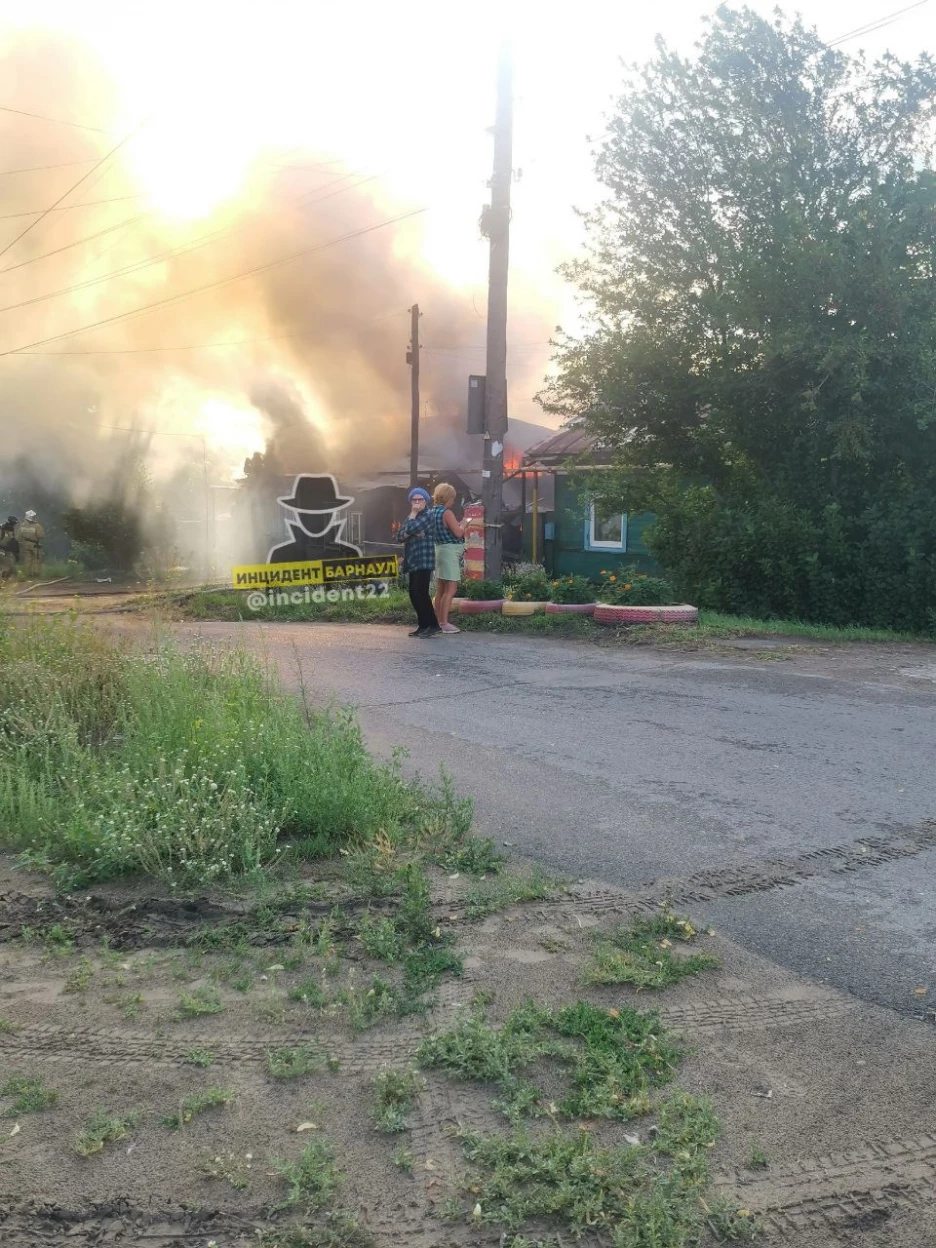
476	390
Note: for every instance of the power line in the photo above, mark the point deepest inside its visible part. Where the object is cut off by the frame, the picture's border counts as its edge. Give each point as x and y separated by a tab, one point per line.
870	27
203	346
148	261
514	346
56	120
225	281
87	238
88	203
93	203
65	164
84	177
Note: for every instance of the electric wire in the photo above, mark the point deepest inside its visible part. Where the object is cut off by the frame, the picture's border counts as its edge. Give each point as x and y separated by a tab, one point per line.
58	121
870	27
224	281
87	238
208	346
84	177
93	203
88	203
186	249
63	164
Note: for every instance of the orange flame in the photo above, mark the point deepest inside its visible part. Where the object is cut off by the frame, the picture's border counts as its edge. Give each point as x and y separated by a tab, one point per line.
512	459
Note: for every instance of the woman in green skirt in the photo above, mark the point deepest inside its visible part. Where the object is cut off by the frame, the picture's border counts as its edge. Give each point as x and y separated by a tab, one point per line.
449	537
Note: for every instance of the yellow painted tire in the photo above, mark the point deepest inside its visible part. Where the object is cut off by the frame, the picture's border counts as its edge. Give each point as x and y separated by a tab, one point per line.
522	608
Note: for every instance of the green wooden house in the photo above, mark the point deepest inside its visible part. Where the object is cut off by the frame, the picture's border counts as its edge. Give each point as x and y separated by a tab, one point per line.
575	533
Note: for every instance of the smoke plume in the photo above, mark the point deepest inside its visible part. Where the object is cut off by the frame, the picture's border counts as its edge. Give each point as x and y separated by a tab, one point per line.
308	351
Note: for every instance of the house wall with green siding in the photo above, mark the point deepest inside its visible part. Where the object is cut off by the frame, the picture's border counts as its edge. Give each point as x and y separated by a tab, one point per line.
565	554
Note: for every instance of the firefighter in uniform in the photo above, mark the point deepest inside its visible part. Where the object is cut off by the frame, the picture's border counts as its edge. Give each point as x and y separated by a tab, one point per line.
30	535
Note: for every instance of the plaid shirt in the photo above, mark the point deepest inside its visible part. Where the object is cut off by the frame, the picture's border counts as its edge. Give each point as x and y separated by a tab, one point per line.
418	545
442	535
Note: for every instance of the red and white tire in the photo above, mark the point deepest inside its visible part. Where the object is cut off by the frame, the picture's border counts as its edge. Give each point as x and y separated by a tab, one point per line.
478	606
682	614
570	608
522	608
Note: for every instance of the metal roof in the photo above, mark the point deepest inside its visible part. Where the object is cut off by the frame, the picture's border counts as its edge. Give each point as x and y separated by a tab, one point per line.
567	444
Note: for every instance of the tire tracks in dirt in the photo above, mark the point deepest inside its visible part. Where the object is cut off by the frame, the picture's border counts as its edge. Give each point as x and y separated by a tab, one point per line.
756	877
858	1188
367	1053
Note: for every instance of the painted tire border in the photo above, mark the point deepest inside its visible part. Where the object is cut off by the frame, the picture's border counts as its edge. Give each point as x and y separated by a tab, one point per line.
478	606
522	608
570	608
681	614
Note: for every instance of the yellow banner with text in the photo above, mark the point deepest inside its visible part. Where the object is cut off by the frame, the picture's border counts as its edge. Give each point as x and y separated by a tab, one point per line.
315	572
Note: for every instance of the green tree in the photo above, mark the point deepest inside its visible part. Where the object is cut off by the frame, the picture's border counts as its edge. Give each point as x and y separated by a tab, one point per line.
761	283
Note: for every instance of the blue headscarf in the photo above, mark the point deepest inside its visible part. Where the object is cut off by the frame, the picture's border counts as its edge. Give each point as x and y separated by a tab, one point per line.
419	492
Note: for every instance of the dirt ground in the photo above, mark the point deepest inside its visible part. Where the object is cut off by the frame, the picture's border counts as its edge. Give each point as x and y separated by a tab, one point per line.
837	1094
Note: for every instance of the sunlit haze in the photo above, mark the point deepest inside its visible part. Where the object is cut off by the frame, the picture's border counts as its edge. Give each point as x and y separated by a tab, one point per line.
240	109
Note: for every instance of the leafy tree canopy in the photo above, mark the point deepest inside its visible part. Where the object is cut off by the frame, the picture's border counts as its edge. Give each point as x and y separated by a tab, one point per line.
761	283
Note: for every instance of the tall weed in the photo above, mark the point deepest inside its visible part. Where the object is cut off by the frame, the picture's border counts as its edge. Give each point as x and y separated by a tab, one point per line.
190	766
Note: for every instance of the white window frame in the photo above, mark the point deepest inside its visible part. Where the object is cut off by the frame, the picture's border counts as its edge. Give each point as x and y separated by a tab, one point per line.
355	528
592	543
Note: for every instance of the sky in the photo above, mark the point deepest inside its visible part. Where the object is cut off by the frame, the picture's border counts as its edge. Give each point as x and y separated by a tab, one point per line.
402	96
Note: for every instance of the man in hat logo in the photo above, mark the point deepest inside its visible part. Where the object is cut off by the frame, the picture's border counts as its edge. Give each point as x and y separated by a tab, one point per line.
316	533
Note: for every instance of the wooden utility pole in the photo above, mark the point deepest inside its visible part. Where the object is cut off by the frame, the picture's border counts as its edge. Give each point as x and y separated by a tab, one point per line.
497	220
412	358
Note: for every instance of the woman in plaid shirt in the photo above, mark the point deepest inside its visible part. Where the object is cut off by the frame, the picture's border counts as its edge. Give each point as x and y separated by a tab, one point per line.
416	534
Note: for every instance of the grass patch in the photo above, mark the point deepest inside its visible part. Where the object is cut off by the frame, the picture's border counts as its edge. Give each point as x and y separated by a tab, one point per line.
103	1129
229	604
197	1103
380	938
7	1027
231	1167
638	1195
371	1004
57	940
488	896
200	1057
758	1159
295	1063
310	992
425	968
198	1003
338	1229
715	624
192	767
130	1004
30	1095
403	1159
611	1059
394	1097
642	953
312	1179
475	855
79	977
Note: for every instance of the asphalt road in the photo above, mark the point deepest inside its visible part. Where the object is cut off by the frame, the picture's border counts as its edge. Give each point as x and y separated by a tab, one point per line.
781	795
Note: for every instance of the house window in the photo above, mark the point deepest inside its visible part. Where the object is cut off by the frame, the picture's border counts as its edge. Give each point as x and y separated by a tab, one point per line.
605	529
355	528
